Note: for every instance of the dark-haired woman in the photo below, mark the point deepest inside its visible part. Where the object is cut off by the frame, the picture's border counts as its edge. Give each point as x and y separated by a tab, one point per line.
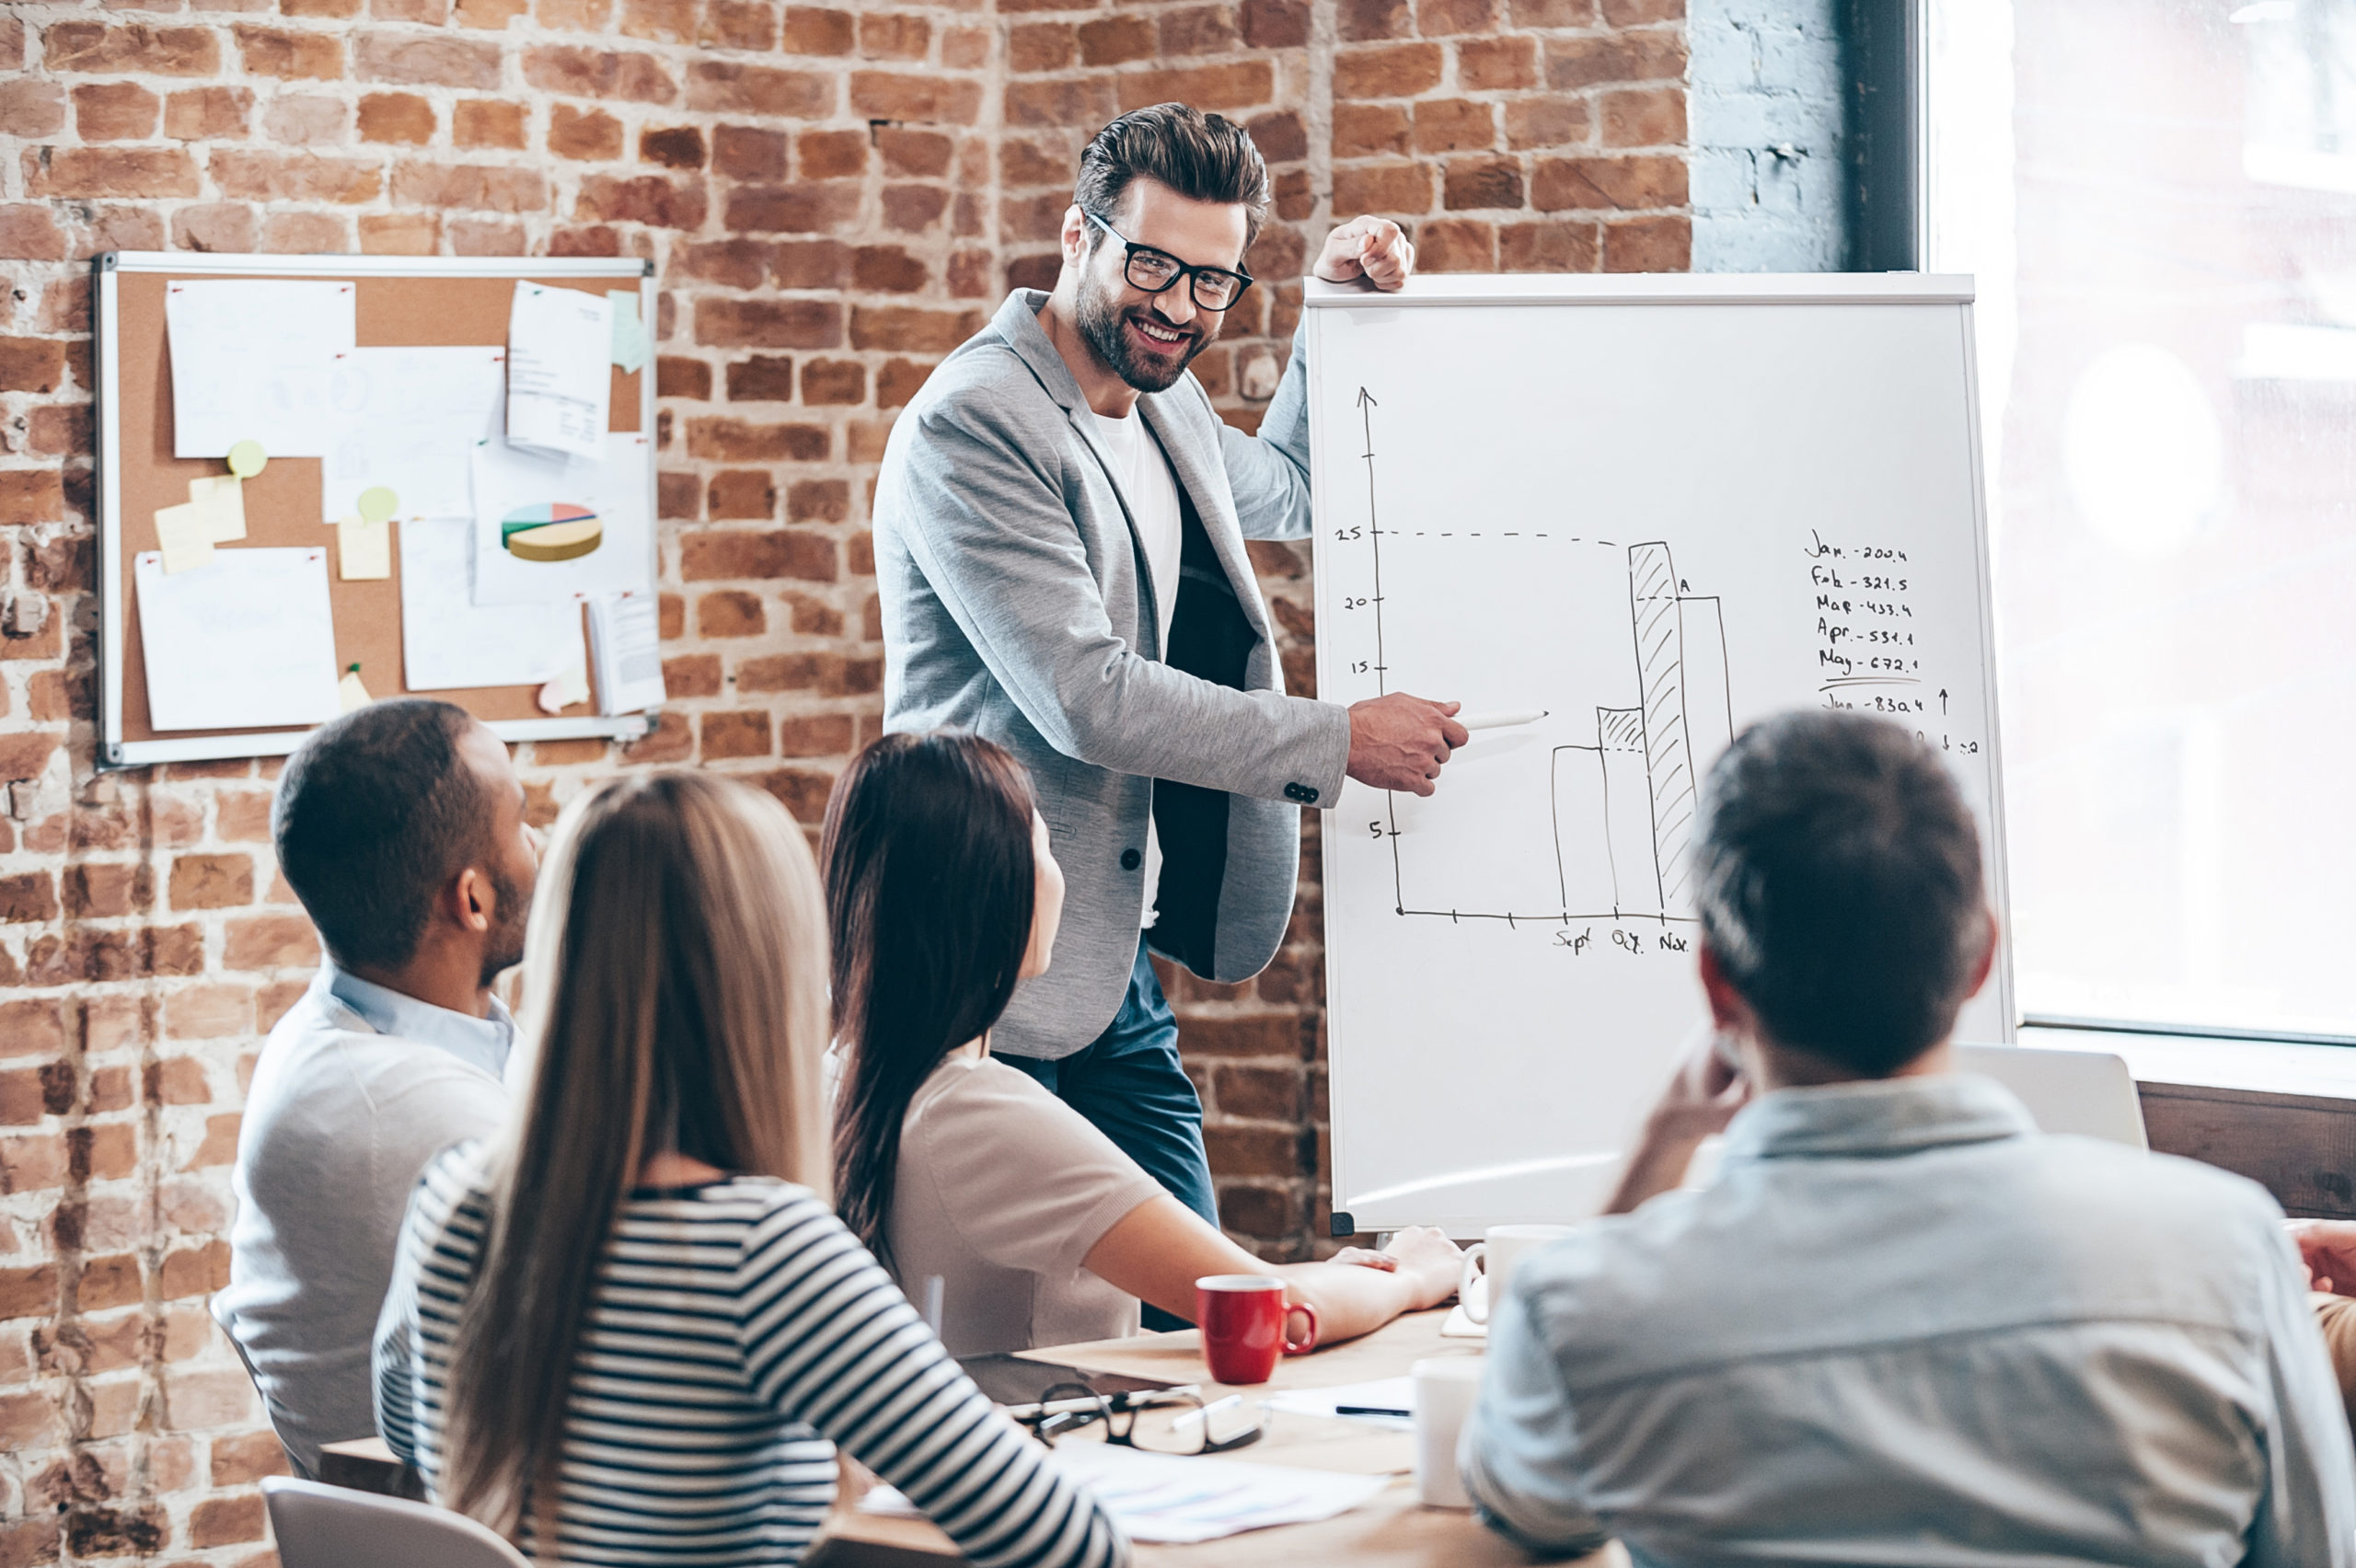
942	893
631	1331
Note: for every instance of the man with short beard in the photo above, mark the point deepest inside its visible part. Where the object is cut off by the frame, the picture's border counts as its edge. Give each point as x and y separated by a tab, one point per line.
400	827
1059	538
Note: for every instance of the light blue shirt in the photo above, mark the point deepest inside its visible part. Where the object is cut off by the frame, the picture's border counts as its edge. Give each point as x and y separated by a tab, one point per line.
1904	1327
357	1087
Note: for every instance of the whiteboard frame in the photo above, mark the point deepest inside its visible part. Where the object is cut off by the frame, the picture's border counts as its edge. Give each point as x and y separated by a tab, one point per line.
113	751
1957	290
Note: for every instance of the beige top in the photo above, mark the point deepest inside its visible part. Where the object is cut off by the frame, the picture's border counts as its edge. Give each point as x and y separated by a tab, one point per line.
1002	1190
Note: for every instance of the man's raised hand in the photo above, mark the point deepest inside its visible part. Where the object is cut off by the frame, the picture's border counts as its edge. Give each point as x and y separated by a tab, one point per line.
1374	249
1401	743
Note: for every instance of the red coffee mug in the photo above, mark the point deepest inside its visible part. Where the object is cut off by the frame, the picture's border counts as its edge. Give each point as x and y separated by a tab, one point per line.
1243	1318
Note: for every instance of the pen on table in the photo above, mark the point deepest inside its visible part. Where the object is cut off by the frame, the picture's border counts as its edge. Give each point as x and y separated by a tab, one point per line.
1371	1410
1503	721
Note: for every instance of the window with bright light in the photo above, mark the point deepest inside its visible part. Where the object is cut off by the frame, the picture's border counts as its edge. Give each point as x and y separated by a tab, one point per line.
2158	198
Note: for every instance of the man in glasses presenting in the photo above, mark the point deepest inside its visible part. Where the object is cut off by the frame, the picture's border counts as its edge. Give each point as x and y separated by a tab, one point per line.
1059	530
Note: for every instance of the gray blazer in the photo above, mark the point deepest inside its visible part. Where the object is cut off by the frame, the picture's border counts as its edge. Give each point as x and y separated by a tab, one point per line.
1017	603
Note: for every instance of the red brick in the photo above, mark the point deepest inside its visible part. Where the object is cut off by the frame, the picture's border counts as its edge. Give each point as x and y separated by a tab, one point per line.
486	122
911	209
608	73
1648	245
714	555
819	500
1614	57
671	741
1116	40
1381	188
911	327
1551	14
25	753
768	323
1470	184
396	117
27	896
95	49
647	199
679	146
1546	121
1369	130
197	1270
204	114
31	364
1455	245
830	154
1559	184
1637	12
763	378
115	111
304	234
1084	101
663	21
295	177
740	441
742	495
742	734
29	233
1238	86
815	30
1644	118
748	25
270	942
1360	21
829	381
1281	138
1491	65
792	209
242	1460
30	106
679	377
1436	19
896	382
1449	125
725	86
290	56
745	151
399	234
1040	46
1399	71
731	612
894	35
493	188
888	95
815	735
692	674
109	171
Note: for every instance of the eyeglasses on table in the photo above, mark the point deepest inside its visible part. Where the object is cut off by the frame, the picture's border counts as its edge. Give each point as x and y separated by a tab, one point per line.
1157	1421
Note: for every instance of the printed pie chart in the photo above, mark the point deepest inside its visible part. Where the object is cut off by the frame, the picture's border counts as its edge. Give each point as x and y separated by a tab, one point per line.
558	531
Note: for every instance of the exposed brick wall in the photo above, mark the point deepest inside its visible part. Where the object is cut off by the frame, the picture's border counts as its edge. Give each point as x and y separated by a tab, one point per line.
834	197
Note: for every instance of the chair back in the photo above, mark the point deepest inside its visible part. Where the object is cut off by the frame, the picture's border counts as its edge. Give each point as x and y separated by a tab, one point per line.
332	1526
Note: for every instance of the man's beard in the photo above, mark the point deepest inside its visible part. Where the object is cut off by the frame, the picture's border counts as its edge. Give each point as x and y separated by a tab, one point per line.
505	949
1102	323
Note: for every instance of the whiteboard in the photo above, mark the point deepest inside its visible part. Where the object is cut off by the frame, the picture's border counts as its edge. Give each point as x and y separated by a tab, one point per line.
1657	508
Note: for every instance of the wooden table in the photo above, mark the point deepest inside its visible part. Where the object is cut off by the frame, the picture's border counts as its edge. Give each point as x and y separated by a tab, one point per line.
1392	1531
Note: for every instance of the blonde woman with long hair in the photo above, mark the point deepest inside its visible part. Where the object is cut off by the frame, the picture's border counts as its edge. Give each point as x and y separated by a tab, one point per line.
630	1330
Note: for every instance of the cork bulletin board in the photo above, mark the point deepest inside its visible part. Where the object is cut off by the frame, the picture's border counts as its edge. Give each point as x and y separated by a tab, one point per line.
400	301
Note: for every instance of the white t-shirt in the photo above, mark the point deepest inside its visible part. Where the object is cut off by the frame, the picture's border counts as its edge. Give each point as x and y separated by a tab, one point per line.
1151	490
1002	1191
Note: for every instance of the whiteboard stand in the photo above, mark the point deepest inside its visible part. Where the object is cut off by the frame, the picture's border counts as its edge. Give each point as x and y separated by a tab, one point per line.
109	274
1653	508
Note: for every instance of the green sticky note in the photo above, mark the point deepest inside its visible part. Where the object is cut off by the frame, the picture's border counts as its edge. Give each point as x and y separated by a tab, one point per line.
246	459
377	504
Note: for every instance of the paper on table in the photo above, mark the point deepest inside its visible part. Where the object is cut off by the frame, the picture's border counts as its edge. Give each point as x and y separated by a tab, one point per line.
221	500
408	420
186	537
448	642
251	360
629	331
247	643
1160	1497
625	644
364	550
1387	1393
507	481
559	346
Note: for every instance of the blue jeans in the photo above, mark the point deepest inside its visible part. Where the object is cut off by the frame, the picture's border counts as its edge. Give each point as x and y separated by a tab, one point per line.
1129	1084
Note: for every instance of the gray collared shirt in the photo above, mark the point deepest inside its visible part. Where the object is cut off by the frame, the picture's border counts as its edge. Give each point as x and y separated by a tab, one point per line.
1904	1327
357	1087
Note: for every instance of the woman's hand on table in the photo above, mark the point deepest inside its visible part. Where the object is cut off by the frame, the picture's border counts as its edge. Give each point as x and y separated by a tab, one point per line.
1424	1258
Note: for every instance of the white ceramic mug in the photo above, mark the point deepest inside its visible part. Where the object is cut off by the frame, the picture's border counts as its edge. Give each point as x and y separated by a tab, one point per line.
1501	1248
1446	1386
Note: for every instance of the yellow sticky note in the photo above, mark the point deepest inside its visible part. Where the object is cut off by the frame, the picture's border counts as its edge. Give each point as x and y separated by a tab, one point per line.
565	690
246	459
362	548
222	499
185	536
350	693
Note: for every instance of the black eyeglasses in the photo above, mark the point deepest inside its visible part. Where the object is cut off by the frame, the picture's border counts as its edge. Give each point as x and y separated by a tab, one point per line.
1162	1421
1156	271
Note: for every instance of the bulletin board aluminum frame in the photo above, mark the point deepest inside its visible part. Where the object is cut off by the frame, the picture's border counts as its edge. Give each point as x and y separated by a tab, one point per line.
113	751
1387	1210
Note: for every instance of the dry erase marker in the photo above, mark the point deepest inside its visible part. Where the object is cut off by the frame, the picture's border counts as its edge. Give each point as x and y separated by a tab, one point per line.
1503	721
